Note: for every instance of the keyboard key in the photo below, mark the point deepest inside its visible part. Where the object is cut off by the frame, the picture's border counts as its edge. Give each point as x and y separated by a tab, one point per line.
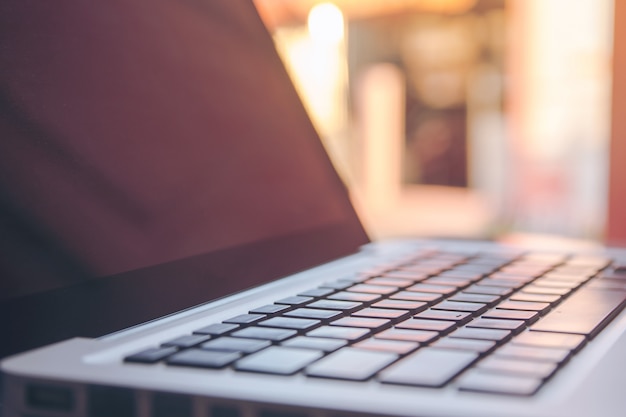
350	334
489	300
234	344
525	279
369	323
152	355
481	381
597	262
495	262
542	282
315	343
463	274
407	335
530	271
394	346
429	298
459	317
217	329
544	258
317	292
575	271
202	358
524	305
483	323
534	289
291	323
552	355
436	289
479	346
351	364
355	296
586	312
270	309
278	360
392	282
475	308
410	275
510	366
347	306
504	283
450	258
540	298
186	341
440	326
428	270
503	256
485	289
314	313
497	335
447	280
527	316
274	335
245	319
373	289
383	313
295	301
428	367
571	342
410	306
563	277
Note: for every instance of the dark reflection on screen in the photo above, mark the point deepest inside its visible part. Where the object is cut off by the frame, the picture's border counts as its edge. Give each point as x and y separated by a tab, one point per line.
136	135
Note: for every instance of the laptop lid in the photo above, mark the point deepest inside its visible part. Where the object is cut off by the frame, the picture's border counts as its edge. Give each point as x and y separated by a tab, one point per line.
154	156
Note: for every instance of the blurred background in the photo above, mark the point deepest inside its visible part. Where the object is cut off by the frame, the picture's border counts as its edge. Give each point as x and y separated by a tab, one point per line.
459	118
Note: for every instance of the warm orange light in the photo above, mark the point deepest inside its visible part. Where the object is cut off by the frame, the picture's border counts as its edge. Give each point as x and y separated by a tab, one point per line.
325	23
368	8
288	12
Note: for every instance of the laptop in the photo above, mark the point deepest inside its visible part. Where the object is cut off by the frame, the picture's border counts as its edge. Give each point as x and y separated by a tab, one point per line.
176	242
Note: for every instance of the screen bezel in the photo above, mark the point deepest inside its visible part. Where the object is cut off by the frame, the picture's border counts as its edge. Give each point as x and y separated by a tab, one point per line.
104	305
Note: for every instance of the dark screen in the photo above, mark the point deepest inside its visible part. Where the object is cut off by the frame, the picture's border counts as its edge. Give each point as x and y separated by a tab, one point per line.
151	148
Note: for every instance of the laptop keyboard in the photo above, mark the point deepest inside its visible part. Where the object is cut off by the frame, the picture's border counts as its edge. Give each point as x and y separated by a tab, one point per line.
491	322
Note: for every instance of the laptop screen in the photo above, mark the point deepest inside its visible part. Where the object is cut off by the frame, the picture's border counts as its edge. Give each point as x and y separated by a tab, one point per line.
153	152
